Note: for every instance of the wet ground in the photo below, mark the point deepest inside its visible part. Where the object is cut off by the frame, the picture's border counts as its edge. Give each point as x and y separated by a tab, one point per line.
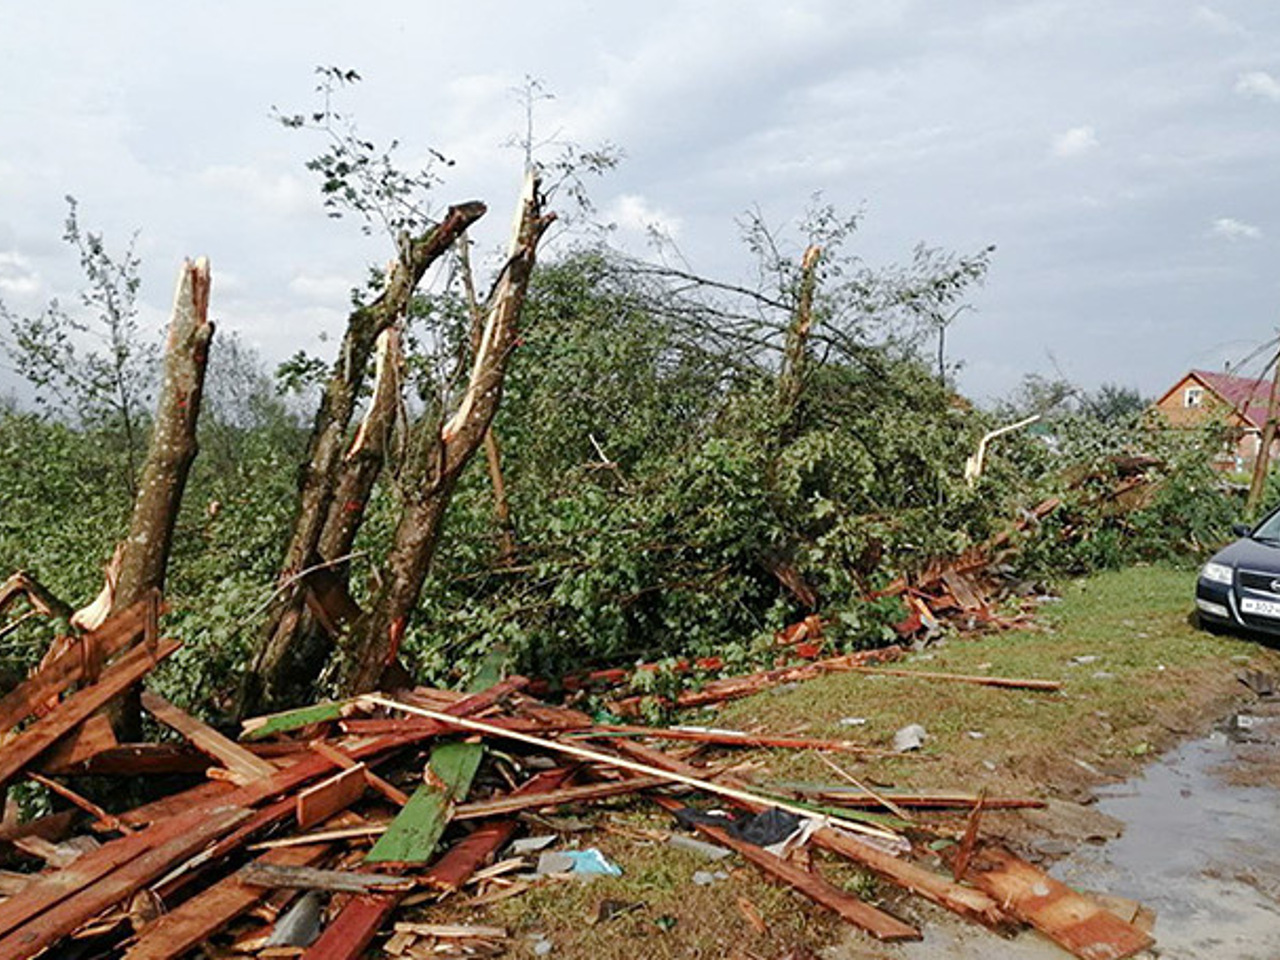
1200	847
1200	850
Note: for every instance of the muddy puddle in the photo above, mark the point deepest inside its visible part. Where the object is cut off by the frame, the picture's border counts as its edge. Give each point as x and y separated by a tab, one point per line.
1199	848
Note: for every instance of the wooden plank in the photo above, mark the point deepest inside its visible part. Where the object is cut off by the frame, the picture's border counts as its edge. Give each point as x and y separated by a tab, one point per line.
37	738
309	878
177	803
1011	682
591	791
1071	920
321	801
932	799
965	901
78	902
358	923
394	794
474	703
413	835
186	926
66	668
244	765
82	744
862	915
366	727
734	738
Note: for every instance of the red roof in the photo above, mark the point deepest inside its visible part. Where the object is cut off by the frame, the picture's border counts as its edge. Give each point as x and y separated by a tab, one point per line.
1247	395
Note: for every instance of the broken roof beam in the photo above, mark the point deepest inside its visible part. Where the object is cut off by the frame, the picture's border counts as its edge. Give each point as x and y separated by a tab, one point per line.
245	767
46	731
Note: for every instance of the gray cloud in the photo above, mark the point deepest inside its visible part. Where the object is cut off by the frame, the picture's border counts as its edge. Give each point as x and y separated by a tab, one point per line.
1101	146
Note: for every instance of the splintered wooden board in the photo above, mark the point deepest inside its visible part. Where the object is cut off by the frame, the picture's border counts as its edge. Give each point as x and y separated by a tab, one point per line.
414	833
1069	919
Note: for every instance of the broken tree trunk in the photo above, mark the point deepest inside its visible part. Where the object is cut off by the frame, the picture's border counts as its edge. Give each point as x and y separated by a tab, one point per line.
144	554
438	459
173	443
796	348
368	451
283	667
492	451
329	606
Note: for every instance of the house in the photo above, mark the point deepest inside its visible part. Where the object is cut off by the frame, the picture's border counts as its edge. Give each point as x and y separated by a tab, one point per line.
1239	402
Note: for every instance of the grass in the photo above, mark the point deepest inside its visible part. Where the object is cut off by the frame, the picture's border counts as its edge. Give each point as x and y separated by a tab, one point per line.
1155	679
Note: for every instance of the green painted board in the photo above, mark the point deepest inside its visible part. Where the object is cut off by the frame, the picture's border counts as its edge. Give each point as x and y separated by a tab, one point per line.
414	833
294	719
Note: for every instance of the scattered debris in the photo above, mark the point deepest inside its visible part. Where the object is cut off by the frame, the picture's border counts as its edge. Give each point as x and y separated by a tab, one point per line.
703	849
583	863
1262	684
910	737
266	840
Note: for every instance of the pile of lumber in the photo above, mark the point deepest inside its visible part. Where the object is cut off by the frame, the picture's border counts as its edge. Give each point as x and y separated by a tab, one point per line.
343	823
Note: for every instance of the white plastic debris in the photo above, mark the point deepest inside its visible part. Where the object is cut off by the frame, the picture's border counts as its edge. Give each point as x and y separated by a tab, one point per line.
910	737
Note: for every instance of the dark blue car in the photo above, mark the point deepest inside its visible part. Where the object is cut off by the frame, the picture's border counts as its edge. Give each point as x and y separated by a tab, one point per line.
1240	585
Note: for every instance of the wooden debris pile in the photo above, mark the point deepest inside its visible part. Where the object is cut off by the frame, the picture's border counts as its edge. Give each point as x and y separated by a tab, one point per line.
329	831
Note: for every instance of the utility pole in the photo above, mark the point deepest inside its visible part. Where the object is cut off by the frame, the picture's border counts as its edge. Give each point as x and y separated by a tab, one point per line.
1264	447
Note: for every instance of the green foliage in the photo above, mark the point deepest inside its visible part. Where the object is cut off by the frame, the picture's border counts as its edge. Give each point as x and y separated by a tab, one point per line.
656	506
94	368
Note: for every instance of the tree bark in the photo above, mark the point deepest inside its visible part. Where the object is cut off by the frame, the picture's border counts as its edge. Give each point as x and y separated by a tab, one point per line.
492	450
144	554
796	349
364	460
438	461
283	667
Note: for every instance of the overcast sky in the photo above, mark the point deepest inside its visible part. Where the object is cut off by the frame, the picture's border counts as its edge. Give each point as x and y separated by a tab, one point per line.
1124	157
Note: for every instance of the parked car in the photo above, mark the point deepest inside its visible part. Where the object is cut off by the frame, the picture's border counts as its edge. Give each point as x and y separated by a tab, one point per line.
1240	585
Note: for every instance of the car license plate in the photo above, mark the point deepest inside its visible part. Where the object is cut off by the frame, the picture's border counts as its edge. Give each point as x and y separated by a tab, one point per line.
1260	608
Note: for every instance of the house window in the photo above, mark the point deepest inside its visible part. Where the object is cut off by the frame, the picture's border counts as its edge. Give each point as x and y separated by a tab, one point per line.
1193	397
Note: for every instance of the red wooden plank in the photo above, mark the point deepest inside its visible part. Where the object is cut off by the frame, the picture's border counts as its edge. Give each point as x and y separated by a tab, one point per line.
320	802
1069	919
42	734
66	668
43	920
173	933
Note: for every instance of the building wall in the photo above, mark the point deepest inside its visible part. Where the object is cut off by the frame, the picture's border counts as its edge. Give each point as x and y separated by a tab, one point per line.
1191	403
